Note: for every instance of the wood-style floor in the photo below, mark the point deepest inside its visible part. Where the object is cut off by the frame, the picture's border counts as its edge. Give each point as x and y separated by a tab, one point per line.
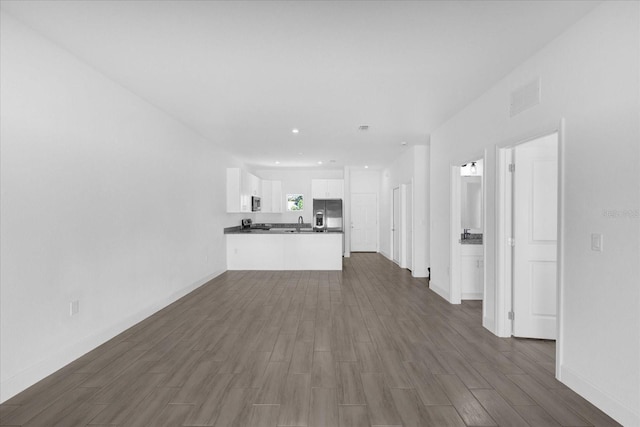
368	346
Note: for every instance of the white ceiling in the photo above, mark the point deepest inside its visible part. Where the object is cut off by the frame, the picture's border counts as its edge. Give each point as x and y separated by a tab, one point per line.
243	74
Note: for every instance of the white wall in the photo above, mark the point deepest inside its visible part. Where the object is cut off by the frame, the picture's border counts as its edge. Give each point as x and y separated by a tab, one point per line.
105	200
365	181
411	166
421	211
590	77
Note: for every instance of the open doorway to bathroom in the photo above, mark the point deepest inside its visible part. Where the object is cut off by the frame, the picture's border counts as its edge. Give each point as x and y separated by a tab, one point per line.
471	231
467	232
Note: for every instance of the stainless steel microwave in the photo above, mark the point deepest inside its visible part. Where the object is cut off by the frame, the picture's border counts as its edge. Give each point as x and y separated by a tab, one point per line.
255	204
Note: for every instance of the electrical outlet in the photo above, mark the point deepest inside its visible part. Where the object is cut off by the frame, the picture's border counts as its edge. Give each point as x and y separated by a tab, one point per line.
74	307
596	242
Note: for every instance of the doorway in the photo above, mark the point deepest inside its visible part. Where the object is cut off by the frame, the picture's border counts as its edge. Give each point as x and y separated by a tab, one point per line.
395	225
406	196
472	230
364	222
467	272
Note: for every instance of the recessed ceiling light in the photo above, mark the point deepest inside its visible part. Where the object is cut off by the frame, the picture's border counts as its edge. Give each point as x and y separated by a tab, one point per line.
320	162
295	130
366	167
403	143
299	154
277	162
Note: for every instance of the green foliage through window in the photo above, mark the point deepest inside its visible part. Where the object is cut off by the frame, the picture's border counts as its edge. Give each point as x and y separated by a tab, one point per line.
295	202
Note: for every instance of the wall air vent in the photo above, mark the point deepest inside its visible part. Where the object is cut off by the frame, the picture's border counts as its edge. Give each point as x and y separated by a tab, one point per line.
525	97
363	127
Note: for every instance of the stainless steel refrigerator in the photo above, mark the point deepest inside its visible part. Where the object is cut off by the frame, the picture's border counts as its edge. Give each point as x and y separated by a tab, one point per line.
327	215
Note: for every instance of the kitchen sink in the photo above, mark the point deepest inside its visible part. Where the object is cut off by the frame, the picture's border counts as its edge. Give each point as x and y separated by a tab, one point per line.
292	230
471	239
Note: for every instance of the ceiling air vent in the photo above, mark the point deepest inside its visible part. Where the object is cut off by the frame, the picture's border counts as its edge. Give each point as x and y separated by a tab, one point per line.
525	97
363	127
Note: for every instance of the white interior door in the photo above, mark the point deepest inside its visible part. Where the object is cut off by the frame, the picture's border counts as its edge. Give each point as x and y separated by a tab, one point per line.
364	222
535	199
395	225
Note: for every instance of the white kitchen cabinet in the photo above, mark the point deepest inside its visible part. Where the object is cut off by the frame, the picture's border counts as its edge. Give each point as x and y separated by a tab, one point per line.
267	186
255	186
295	251
472	272
271	196
319	188
241	186
327	188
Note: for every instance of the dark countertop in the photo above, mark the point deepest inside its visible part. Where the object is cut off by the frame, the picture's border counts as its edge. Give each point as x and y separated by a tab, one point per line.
472	239
277	228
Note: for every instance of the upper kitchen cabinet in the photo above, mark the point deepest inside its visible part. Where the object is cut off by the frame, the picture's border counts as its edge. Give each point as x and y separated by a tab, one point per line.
271	196
241	185
327	188
252	184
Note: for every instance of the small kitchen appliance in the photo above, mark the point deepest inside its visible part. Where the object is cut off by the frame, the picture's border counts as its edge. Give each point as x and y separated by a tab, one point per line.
318	223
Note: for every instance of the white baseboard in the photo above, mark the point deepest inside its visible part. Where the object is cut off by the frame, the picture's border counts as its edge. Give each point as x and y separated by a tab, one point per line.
603	400
489	324
31	375
473	295
386	255
444	293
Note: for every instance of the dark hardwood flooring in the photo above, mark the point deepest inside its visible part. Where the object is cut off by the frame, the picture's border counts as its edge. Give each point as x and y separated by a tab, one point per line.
368	346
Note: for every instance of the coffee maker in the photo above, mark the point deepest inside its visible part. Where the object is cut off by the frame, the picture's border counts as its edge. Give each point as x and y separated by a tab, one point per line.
318	222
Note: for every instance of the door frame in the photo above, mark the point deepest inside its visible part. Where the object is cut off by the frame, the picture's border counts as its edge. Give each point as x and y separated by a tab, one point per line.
504	230
455	219
396	228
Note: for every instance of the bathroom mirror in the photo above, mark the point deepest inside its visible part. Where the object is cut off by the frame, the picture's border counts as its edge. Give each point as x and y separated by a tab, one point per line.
472	203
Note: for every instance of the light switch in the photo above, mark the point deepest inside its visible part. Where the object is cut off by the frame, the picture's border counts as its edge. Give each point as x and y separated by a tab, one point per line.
596	242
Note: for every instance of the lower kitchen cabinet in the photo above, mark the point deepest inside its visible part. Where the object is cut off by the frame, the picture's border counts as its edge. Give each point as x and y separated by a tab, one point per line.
472	272
295	251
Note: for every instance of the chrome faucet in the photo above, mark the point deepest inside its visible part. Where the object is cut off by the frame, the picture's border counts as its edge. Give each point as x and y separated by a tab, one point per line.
465	233
300	220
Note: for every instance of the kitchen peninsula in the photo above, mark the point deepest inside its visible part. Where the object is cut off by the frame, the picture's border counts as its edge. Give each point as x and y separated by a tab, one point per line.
283	247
